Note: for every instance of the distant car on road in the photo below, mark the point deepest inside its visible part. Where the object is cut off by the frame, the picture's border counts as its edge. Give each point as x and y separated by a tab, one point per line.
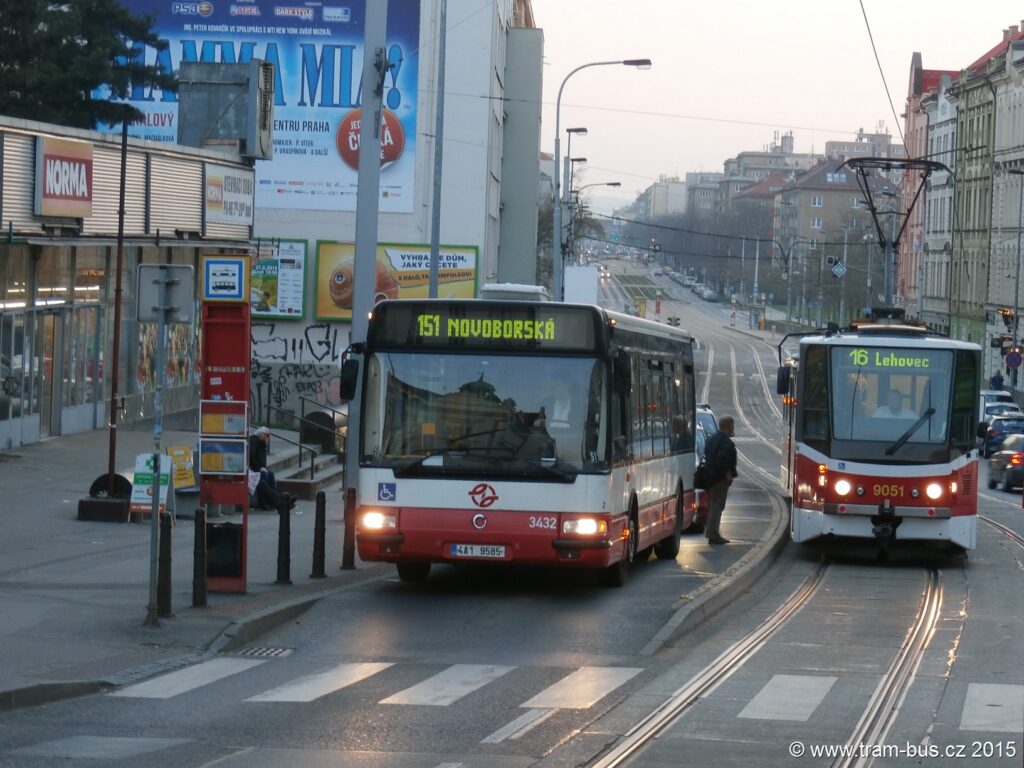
1006	466
998	430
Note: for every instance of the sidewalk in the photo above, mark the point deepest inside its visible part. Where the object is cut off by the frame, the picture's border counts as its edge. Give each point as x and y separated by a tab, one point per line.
74	594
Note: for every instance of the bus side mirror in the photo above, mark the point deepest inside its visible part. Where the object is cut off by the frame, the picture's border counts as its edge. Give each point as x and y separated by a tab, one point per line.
782	383
348	379
982	429
621	373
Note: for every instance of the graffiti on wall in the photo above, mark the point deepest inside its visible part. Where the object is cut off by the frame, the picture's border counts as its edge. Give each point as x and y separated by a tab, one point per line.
292	366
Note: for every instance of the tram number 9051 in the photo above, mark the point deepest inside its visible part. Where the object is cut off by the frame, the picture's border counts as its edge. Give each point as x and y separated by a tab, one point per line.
887	490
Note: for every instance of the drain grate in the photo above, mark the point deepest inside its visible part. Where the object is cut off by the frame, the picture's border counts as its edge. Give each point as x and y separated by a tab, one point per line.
264	653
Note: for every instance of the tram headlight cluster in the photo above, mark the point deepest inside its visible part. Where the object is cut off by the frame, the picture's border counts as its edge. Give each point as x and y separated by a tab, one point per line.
933	491
379	521
843	487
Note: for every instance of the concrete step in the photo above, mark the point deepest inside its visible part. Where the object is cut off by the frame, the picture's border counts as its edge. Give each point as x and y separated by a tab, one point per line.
328	470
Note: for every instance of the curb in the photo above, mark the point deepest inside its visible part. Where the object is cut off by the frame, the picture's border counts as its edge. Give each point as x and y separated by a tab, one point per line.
47	693
705	602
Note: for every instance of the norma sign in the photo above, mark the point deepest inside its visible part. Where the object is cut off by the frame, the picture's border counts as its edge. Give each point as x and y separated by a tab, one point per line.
229	194
64	178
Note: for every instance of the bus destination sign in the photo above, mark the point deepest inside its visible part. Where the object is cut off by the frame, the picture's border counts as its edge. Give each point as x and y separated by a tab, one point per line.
480	324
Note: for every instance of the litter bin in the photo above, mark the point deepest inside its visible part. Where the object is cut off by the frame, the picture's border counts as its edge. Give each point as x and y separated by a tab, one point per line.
761	325
224	550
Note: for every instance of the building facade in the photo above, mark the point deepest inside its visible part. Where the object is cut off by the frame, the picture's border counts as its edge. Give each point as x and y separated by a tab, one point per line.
68	281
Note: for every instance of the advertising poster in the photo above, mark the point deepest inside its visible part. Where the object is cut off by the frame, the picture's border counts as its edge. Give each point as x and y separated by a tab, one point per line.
317	52
277	282
403	272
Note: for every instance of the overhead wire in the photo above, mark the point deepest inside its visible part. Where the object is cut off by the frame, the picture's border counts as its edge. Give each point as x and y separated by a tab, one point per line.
881	72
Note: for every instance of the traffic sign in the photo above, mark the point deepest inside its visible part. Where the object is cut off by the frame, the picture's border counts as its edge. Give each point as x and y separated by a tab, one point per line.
1013	359
839	269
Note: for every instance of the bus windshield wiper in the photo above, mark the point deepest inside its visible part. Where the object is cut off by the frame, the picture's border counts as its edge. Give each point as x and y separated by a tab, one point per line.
909	433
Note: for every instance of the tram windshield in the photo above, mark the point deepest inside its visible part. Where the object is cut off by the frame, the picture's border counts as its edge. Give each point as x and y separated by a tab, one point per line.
894	394
523	416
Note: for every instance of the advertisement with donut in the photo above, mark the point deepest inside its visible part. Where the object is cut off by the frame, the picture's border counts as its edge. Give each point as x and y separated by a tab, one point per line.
316	47
402	272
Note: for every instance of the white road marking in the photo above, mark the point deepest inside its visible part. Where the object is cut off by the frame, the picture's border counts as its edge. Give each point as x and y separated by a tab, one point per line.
312	687
448	686
104	748
582	688
521	725
993	707
788	697
190	678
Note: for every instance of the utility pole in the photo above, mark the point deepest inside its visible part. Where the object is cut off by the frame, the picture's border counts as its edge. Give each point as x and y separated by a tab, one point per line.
890	257
842	284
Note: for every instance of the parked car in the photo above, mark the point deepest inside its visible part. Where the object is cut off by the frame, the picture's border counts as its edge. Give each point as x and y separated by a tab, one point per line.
1006	466
997	432
1001	409
700	500
707	425
706	419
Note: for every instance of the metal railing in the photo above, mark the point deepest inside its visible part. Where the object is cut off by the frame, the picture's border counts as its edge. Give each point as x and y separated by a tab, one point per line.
302	447
303	399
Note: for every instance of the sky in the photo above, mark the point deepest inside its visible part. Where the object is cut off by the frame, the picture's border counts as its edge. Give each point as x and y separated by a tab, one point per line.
729	75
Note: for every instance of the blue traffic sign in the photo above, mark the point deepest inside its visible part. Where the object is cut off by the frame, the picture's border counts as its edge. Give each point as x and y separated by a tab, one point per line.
1013	359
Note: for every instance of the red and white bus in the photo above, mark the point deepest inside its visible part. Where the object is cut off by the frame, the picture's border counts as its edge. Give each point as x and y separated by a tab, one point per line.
522	432
882	443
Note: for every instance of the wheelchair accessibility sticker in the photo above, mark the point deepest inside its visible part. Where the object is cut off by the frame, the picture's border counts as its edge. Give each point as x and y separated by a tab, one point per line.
386	491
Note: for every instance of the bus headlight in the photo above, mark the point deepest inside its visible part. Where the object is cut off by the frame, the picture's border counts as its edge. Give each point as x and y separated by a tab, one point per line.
585	526
378	521
933	491
843	487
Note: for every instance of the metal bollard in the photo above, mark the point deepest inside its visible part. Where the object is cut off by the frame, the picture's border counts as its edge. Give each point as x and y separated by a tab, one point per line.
284	543
199	561
348	550
319	537
163	579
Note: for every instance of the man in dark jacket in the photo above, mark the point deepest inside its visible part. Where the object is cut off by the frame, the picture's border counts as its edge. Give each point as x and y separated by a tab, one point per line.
720	462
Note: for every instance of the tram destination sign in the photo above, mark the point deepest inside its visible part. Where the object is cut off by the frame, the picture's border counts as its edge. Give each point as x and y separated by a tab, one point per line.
483	325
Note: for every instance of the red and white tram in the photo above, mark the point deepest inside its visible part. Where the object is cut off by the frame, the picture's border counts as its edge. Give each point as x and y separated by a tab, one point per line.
881	442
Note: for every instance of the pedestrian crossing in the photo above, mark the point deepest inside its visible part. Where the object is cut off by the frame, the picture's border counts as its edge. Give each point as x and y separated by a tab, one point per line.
995	708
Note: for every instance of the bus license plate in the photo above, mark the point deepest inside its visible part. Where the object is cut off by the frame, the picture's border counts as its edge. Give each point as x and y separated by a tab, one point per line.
496	551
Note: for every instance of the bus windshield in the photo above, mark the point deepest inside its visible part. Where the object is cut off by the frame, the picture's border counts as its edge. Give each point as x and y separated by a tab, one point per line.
893	394
449	413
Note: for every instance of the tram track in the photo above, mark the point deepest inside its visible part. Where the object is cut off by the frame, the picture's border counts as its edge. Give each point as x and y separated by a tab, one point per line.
877	718
887	699
728	662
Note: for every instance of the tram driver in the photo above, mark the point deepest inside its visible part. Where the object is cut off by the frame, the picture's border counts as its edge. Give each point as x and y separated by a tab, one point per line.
893	408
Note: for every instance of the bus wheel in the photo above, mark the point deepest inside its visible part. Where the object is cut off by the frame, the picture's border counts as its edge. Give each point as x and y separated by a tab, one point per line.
413	571
616	575
668	548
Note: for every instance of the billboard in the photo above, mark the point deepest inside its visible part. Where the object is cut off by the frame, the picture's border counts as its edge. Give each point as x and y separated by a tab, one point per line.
402	272
317	52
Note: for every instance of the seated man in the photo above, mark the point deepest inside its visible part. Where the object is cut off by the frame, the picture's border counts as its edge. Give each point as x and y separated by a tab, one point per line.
266	495
893	408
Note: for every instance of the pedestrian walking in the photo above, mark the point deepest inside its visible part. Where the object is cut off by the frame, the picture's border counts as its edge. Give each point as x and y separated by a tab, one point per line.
720	463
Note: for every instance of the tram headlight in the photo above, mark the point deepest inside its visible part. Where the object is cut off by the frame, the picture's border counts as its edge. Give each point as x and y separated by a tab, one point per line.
584	526
933	491
843	487
379	521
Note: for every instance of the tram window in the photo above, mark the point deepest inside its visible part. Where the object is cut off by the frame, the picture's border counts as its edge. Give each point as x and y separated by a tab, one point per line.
815	394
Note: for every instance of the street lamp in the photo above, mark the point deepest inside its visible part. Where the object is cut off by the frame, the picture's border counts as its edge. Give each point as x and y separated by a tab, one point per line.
568	153
1016	286
556	229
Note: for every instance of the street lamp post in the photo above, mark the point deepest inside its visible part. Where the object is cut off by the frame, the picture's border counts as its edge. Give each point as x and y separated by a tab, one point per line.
1016	285
557	256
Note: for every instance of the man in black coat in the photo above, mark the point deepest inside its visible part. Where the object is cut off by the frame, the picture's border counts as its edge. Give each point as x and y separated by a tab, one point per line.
720	463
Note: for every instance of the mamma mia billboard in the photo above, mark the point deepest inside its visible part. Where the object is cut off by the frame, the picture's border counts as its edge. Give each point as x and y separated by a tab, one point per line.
317	52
